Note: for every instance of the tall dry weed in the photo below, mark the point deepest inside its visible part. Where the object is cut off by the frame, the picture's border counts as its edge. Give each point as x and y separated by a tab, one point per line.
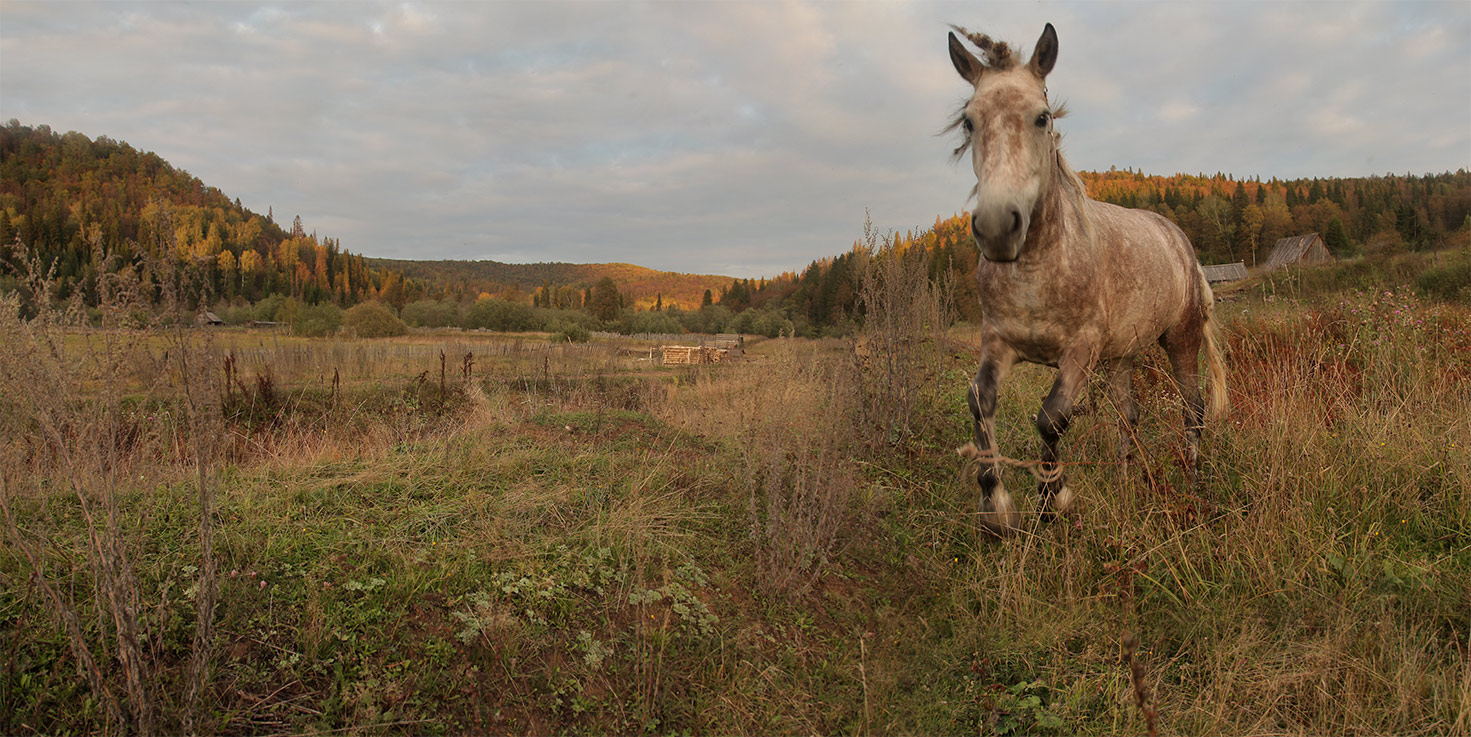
800	471
899	353
788	409
79	419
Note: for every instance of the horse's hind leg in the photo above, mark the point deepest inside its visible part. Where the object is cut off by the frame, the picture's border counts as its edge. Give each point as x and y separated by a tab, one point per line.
1182	345
997	511
1121	391
1052	421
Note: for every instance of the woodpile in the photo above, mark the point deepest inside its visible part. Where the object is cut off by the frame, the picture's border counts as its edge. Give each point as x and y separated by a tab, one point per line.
686	355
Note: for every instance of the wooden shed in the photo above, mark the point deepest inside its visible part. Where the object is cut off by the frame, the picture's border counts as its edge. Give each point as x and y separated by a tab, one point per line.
731	342
1299	249
208	318
1219	273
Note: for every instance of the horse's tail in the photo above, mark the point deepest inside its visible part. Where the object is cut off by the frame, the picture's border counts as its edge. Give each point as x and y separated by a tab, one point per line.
1215	365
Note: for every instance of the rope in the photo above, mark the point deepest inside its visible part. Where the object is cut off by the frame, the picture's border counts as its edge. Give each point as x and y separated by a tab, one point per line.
1045	472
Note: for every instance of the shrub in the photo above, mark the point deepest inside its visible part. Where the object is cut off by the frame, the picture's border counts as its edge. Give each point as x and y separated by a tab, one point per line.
547	317
276	308
1451	283
498	314
318	321
568	332
651	322
236	314
761	322
373	320
429	313
709	319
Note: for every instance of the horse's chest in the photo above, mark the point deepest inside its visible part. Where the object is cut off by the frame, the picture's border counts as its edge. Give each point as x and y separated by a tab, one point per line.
1037	321
1034	325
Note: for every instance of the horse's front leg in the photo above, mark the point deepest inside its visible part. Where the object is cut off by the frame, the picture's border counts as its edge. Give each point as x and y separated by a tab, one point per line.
1052	422
997	511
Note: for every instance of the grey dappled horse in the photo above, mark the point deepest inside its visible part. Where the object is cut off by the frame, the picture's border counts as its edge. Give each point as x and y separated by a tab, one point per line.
1065	281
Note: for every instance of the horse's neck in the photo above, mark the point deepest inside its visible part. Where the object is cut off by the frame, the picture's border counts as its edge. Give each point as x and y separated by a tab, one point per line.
1059	236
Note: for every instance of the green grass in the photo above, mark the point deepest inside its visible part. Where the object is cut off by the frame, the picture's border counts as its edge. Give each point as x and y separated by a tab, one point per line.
593	554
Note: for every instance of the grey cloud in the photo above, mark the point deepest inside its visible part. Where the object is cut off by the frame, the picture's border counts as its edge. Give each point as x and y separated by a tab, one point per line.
743	138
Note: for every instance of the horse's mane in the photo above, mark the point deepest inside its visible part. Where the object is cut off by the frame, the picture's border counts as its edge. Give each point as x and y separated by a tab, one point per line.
1068	178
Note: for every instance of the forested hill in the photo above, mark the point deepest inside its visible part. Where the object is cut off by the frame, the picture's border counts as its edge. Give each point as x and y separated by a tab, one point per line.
62	196
1239	220
65	198
555	282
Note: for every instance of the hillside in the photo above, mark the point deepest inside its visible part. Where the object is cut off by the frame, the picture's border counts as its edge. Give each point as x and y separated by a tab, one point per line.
69	199
640	285
64	195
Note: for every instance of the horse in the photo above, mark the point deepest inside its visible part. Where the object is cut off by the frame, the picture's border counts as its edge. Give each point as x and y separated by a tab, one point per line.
1065	281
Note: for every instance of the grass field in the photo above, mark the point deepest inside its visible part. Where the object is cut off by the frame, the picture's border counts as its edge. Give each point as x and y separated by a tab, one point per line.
570	540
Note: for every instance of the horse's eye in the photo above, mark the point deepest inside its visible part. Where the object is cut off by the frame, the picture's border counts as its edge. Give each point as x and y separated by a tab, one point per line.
967	125
1042	120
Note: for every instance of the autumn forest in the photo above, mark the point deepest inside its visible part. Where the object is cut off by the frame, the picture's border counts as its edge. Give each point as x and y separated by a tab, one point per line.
73	206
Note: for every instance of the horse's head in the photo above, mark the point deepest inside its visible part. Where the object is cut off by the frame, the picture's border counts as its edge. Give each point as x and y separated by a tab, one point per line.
1007	125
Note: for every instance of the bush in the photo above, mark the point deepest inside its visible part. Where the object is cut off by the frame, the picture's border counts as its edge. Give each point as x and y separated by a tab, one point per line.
762	322
1451	283
373	320
276	308
710	319
547	317
568	332
236	314
500	315
651	322
318	321
429	313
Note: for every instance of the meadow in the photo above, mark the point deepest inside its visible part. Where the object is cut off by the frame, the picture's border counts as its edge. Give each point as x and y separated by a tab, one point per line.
568	538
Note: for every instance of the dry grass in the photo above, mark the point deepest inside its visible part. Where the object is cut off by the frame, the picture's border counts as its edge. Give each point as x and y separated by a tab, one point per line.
578	542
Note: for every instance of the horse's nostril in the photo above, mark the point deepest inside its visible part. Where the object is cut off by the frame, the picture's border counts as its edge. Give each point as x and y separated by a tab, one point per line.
1016	220
975	226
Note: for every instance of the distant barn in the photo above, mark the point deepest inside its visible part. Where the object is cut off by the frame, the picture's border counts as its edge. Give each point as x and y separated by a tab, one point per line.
1218	273
208	318
1299	249
733	344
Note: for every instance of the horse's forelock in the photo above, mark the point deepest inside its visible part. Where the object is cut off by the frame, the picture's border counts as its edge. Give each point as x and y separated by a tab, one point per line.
994	54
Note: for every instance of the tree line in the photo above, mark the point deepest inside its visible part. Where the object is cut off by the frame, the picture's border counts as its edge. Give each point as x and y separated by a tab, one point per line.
65	200
1226	219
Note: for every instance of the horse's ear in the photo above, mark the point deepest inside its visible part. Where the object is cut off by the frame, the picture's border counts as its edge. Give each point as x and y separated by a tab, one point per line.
965	63
1045	54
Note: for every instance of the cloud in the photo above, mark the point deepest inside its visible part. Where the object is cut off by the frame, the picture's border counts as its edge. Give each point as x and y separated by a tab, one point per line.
1179	111
745	138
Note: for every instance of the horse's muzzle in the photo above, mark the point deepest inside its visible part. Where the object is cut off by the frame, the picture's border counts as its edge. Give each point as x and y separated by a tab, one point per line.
1000	230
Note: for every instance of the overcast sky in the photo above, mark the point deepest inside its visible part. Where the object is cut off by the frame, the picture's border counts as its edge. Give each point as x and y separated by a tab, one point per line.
740	138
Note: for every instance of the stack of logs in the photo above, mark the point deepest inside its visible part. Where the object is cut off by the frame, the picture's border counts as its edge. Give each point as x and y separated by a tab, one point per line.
684	355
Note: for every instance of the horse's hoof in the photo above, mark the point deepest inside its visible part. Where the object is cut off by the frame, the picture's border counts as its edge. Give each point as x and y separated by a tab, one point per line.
998	514
1059	503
